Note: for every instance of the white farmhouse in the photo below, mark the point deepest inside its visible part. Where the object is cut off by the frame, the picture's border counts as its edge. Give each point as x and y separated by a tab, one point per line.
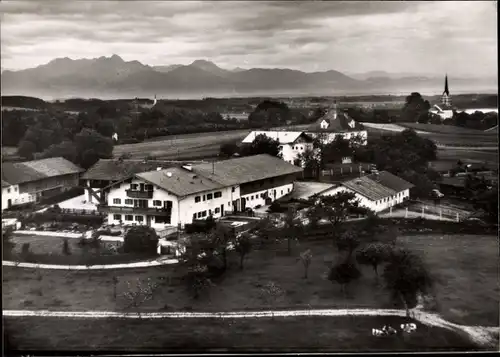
181	194
331	125
378	191
292	143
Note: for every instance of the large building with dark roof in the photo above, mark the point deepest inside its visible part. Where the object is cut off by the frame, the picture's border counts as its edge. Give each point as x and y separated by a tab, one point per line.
25	182
179	194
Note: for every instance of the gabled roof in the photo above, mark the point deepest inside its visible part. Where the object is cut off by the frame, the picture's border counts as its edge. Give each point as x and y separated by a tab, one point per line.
342	123
5	184
283	137
116	170
377	188
21	172
179	181
245	169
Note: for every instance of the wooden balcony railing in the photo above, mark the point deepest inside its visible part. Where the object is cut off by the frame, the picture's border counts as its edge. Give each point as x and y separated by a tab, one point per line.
139	194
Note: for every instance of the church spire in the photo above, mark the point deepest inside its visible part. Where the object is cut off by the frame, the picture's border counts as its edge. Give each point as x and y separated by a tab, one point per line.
446	85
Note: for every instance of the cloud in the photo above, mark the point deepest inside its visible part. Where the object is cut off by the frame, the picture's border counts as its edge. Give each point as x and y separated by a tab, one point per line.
400	36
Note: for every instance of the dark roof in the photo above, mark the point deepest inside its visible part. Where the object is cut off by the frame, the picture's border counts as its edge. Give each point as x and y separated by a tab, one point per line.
5	184
453	181
179	181
374	188
245	169
340	124
20	172
116	170
391	181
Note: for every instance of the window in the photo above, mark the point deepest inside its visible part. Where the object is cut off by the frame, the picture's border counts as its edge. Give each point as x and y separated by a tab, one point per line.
251	197
209	196
148	187
288	190
281	191
133	186
129	201
129	217
204	213
217	194
301	148
156	203
15	189
233	189
139	218
117	201
163	219
117	217
199	214
8	190
197	199
217	210
194	216
204	198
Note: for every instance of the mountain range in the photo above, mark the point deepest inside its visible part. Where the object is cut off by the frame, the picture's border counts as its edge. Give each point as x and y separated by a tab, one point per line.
112	77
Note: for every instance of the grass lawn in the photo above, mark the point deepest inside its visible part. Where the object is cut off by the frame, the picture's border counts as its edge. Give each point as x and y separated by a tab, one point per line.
293	334
466	266
444	129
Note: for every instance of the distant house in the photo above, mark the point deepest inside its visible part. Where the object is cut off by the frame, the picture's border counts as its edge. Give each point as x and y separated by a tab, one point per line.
378	191
25	182
291	143
331	125
179	195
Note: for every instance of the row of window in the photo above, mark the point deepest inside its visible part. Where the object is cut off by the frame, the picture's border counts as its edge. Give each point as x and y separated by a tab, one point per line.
209	196
128	201
205	213
15	189
128	217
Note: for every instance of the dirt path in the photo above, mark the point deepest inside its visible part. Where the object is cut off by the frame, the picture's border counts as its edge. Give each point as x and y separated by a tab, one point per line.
484	336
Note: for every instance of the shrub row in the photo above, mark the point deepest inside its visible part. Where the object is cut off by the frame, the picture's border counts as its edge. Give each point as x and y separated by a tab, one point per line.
43	217
78	259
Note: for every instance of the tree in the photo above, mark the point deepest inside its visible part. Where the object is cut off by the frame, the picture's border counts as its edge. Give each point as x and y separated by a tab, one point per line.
262	144
487	201
91	147
140	239
227	150
306	259
65	149
292	227
7	243
106	128
272	292
343	274
374	254
138	294
347	241
220	238
414	107
243	246
337	208
310	160
406	276
26	149
336	150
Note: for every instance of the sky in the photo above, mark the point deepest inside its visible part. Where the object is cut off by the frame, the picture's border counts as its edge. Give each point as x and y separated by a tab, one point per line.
459	38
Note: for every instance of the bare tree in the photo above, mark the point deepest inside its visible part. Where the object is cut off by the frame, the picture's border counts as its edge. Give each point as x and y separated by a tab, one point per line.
138	294
271	293
306	258
242	246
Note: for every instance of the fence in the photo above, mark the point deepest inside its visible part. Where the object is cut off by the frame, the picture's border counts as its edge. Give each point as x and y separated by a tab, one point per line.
85	212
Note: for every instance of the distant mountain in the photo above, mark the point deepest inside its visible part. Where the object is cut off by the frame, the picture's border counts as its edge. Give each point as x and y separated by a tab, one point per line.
112	77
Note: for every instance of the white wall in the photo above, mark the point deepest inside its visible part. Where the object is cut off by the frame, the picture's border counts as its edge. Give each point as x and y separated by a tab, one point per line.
188	205
376	206
17	198
330	136
254	199
290	152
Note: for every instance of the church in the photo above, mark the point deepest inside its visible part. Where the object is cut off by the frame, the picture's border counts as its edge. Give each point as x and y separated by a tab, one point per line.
445	109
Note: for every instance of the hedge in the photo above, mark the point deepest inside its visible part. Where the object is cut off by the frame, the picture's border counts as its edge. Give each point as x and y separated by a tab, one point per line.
43	217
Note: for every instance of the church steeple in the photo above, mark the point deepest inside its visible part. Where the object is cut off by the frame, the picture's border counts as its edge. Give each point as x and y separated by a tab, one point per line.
446	98
446	85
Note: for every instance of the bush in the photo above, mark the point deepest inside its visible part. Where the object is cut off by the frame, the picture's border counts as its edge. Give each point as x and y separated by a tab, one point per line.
277	207
40	218
140	239
200	226
65	247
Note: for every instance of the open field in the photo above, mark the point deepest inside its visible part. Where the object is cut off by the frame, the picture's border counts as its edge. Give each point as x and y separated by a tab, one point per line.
443	129
467	292
292	334
188	146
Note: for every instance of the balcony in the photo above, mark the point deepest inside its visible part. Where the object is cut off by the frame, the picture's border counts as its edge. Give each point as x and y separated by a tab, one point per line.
139	194
134	210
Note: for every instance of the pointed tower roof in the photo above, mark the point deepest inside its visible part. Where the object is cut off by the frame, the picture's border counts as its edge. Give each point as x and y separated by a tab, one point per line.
446	90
